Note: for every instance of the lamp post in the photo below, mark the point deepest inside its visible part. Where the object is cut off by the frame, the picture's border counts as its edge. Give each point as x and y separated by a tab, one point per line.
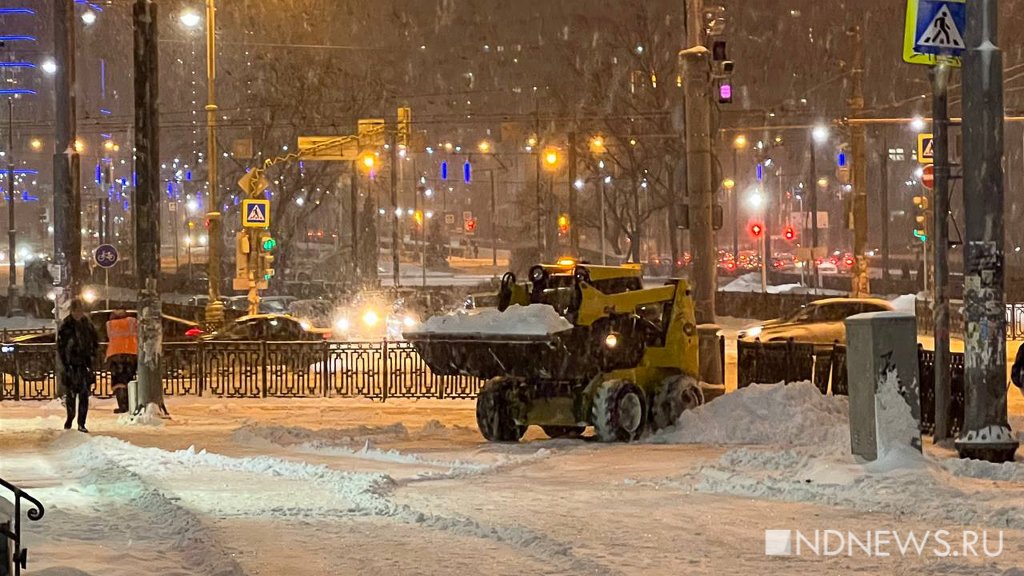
12	287
819	135
190	19
551	160
739	143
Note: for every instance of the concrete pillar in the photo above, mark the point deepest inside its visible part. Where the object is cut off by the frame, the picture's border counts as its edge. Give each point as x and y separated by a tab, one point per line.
709	354
884	387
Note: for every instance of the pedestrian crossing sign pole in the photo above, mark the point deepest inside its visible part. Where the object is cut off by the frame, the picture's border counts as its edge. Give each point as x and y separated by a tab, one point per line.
934	32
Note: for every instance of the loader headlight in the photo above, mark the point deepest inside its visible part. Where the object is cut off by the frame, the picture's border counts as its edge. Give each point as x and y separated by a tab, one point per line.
754	332
342	325
611	340
537	274
409	322
370	318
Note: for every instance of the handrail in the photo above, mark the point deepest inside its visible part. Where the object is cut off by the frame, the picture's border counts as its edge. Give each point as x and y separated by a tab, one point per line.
20	556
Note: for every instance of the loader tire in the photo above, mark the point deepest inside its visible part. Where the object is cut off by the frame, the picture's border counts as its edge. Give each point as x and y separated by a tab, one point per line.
619	411
675	395
563	431
495	412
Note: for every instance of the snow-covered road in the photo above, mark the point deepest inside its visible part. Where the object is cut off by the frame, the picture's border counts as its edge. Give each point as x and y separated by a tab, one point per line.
331	487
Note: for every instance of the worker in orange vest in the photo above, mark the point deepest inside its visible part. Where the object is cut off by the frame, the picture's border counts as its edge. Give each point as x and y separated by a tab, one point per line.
122	354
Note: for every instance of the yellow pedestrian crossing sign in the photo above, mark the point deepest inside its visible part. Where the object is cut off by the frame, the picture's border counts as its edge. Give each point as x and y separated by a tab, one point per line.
925	148
256	213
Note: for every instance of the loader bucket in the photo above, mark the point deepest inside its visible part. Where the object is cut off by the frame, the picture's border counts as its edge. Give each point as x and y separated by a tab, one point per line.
558	356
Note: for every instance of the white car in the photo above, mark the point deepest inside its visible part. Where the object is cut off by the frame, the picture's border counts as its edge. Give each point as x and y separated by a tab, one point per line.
820	322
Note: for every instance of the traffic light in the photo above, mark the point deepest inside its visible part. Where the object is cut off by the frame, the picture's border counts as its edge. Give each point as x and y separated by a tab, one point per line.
242	251
563	224
756	230
266	256
789	233
921	218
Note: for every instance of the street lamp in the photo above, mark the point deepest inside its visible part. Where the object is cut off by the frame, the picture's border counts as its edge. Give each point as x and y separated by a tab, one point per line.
551	159
484	147
738	143
597	145
369	161
49	66
89	17
190	18
819	135
36	144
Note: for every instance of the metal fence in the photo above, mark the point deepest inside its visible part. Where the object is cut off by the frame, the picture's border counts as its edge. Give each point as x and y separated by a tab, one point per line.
926	320
825	366
377	370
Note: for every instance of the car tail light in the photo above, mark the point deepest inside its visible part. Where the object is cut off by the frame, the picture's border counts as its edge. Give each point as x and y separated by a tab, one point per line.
193	333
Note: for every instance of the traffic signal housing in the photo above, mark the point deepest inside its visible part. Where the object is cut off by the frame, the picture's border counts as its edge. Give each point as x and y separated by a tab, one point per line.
267	245
242	268
756	230
921	218
789	233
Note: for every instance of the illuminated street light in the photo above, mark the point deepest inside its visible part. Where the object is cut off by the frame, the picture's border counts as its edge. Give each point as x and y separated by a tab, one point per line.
79	146
190	19
820	134
49	66
551	158
728	183
740	142
823	182
89	17
368	161
756	200
484	147
597	145
917	124
108	145
36	144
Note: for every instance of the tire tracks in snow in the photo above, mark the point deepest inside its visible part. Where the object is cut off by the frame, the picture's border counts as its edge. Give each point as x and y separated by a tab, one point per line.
367	495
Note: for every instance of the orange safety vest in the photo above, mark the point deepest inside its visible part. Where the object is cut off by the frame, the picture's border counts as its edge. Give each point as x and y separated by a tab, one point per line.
123	336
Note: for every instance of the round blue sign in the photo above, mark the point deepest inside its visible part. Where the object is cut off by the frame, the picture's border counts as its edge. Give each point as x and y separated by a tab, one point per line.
106	256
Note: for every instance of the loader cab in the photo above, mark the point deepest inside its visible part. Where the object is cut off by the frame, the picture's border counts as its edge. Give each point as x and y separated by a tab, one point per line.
558	285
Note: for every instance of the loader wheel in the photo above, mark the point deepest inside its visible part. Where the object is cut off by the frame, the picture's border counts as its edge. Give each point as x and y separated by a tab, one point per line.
495	409
672	397
563	431
619	411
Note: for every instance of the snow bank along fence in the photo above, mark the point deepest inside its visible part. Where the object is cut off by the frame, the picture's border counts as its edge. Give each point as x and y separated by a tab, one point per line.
378	370
791	361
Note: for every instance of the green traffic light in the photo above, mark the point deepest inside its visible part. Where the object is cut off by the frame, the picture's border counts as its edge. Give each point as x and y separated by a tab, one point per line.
269	244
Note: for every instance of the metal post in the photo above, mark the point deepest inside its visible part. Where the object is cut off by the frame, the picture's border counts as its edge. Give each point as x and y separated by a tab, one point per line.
940	244
861	283
604	251
12	284
816	281
395	261
574	237
536	154
214	308
494	223
986	433
884	206
147	202
699	174
735	205
353	187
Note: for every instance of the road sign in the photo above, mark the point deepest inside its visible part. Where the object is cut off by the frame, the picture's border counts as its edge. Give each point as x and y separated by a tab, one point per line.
934	32
256	213
928	177
172	207
470	226
250	184
105	256
329	147
449	218
925	148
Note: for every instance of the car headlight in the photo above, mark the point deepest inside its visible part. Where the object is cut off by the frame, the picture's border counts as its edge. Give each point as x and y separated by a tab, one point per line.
754	332
370	318
305	325
7	349
342	325
409	321
89	295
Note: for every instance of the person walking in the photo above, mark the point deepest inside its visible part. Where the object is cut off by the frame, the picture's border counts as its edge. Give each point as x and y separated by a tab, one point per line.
77	343
122	355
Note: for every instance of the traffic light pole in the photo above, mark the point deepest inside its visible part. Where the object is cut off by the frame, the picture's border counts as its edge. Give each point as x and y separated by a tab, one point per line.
214	307
940	243
861	283
985	433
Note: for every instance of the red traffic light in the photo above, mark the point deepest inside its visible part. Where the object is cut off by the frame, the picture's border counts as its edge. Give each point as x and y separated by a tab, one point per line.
756	230
789	233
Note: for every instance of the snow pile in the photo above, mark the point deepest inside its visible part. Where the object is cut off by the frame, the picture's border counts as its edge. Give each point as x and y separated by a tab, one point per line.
532	320
752	283
896	432
149	416
286	436
906	303
767	414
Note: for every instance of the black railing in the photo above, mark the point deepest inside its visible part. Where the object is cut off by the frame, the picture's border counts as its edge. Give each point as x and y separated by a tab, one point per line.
790	361
10	529
378	370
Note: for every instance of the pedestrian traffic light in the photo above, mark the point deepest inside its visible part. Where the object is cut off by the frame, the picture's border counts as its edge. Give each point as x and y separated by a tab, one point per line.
789	233
563	224
756	229
921	218
266	256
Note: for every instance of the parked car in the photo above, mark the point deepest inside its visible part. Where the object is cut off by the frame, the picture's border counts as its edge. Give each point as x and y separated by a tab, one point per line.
174	329
268	328
819	322
268	304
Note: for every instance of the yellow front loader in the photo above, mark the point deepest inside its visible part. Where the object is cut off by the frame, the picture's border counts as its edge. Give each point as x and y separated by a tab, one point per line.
628	363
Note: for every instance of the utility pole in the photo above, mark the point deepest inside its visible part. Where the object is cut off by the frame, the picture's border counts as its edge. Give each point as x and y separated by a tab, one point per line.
884	207
861	282
699	174
12	285
574	236
940	243
986	433
735	204
494	222
67	207
214	307
813	185
147	203
536	154
395	262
